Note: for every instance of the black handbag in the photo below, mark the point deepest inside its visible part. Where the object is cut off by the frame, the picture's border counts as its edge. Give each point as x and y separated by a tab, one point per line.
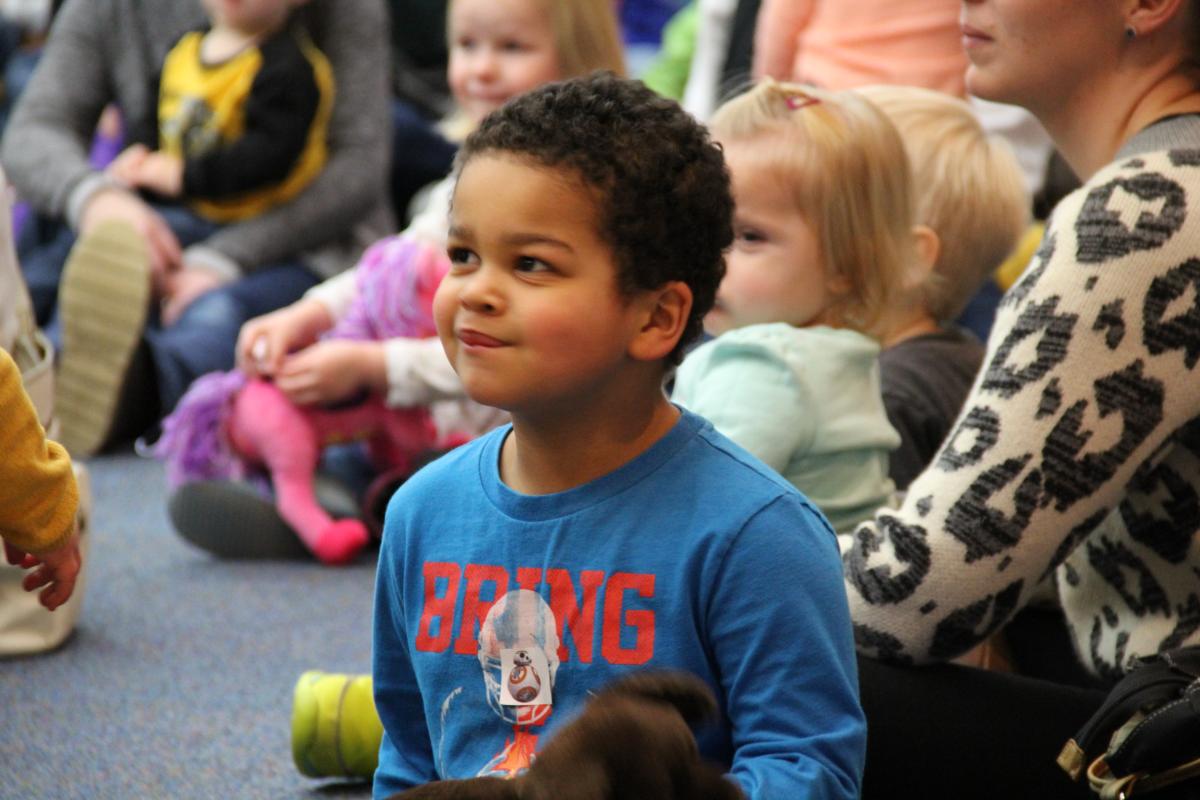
1146	735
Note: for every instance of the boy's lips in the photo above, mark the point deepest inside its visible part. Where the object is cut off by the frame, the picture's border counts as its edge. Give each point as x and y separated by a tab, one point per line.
474	338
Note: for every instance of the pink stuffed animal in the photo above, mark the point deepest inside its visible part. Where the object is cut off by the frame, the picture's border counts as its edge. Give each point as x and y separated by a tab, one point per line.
227	426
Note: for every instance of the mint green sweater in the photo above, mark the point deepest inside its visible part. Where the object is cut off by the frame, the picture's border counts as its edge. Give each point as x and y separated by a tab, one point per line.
807	402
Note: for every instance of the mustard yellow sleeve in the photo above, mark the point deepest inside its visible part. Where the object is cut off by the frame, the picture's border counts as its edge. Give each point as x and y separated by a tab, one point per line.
38	495
1014	266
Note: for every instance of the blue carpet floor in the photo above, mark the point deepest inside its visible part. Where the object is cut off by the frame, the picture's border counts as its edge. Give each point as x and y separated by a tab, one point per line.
178	680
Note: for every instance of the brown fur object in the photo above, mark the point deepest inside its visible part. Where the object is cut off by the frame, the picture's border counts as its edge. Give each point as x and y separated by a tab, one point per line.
631	741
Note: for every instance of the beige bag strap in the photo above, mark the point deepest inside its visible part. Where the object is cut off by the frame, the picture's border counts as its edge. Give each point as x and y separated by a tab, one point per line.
16	309
19	335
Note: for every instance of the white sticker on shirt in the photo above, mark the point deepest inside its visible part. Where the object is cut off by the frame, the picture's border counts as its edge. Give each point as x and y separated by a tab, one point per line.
526	678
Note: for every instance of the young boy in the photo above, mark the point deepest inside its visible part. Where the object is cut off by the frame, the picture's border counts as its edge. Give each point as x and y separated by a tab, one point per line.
604	531
973	205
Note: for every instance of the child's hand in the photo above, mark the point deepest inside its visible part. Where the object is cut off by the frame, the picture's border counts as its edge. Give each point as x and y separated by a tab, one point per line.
332	370
139	167
160	173
58	571
124	168
264	342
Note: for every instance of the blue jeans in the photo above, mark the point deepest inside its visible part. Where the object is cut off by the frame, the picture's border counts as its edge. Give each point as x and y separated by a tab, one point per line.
204	337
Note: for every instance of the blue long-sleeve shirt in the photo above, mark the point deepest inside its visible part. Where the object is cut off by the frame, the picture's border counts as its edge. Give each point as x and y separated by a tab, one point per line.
692	556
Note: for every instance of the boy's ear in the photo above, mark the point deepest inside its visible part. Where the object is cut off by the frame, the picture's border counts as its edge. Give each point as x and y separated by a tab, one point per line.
666	311
929	247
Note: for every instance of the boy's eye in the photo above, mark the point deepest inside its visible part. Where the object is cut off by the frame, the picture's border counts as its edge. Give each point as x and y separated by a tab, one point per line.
465	43
512	46
531	264
461	256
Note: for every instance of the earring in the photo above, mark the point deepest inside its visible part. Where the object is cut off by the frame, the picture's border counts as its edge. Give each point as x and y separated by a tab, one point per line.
1130	33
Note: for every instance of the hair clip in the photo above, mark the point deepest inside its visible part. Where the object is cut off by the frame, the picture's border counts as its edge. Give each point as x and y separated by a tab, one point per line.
798	101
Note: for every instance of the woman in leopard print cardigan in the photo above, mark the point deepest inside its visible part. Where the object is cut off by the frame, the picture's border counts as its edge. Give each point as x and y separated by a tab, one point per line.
1076	457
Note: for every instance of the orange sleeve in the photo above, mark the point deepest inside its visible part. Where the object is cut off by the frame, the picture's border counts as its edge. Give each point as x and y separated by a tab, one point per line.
38	495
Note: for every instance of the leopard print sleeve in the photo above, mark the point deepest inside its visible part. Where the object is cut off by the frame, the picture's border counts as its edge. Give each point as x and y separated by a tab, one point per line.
1072	456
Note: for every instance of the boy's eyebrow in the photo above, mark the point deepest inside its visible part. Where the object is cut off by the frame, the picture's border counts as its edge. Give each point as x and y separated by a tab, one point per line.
520	239
514	239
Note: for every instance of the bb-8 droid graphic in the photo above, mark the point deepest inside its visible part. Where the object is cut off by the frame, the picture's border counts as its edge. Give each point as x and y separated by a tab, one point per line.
524	684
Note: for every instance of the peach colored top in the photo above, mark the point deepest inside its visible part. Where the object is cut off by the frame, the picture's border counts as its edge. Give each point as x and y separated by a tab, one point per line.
840	45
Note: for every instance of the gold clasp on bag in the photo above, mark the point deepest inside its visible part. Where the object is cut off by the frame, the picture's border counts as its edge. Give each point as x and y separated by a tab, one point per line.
1110	787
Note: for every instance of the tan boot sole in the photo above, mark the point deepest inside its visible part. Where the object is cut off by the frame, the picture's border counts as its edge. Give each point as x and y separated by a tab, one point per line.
103	299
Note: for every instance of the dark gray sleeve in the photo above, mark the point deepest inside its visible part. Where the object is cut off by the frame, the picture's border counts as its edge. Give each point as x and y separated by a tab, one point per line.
909	419
45	147
353	35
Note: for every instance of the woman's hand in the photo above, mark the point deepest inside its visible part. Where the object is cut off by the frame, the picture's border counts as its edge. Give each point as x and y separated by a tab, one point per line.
183	287
114	204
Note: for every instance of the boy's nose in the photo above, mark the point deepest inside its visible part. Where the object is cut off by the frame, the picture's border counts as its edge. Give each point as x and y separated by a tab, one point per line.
480	293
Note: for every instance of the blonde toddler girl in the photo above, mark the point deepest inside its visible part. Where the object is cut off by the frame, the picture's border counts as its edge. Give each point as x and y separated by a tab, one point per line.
824	241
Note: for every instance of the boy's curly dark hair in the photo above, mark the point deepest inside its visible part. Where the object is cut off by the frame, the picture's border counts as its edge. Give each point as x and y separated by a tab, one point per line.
665	205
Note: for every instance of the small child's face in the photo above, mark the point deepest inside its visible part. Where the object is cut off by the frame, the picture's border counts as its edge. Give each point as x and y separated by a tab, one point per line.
775	271
530	314
249	16
498	50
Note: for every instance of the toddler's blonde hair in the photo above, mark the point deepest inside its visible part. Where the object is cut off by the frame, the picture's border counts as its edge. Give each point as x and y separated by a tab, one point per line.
586	38
849	178
971	191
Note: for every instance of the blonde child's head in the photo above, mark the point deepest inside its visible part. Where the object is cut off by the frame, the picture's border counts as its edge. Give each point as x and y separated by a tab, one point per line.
836	163
502	48
970	191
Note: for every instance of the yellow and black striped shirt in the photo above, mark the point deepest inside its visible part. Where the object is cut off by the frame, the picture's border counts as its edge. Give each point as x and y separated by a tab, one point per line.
251	129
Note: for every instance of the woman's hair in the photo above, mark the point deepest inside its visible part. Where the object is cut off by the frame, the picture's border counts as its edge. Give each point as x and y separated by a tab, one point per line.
1194	31
849	178
586	38
969	190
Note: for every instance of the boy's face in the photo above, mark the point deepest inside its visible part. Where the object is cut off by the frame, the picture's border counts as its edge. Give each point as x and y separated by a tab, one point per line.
775	272
250	16
530	314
